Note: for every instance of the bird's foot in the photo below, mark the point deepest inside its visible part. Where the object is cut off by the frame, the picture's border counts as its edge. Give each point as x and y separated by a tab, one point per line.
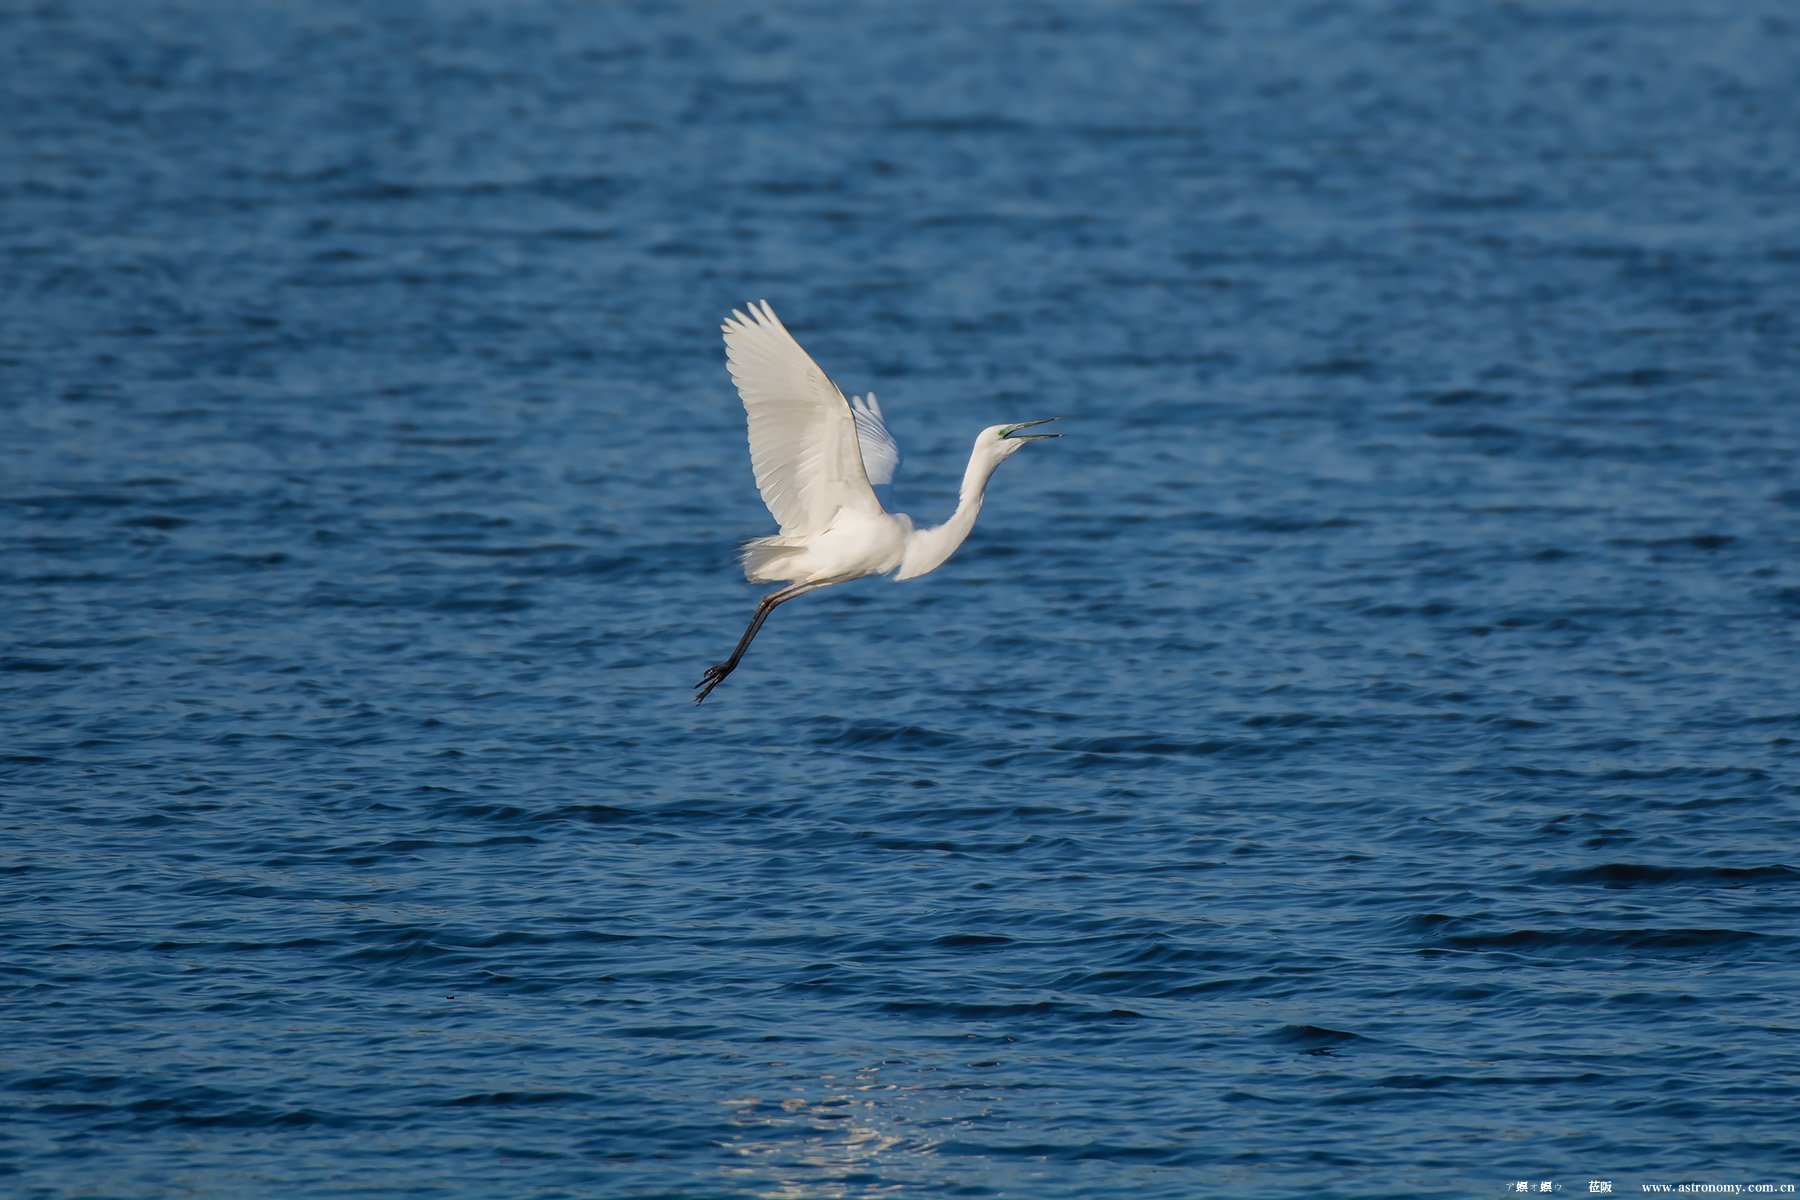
714	675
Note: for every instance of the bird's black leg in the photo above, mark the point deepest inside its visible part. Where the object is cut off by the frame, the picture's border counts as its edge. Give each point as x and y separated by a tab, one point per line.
715	674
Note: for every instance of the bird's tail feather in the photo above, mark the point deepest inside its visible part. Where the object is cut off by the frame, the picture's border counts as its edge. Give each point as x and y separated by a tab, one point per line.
766	558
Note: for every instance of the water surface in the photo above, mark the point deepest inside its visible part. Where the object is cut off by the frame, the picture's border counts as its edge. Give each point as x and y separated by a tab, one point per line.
1359	760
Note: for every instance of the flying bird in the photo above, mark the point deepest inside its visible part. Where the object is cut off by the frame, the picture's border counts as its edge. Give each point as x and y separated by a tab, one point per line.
818	460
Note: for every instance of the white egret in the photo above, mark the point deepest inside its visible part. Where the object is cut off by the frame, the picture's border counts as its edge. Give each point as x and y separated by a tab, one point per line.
818	461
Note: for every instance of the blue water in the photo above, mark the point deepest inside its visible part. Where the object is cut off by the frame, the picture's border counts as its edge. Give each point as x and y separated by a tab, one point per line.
1361	759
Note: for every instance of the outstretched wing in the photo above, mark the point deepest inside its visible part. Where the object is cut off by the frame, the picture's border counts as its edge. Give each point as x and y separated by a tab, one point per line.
803	442
880	453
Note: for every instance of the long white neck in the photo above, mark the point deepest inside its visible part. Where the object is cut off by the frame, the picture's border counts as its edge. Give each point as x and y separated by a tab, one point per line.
928	549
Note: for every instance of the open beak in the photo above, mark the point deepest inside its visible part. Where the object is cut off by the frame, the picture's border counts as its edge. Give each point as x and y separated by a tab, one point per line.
1013	434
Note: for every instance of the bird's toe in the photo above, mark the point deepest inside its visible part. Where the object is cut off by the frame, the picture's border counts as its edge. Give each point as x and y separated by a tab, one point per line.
709	681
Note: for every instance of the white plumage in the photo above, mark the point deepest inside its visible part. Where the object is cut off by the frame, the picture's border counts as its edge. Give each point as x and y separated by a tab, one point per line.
880	453
818	459
803	443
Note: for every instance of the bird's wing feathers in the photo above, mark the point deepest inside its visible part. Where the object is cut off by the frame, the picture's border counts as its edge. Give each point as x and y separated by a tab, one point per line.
803	442
880	453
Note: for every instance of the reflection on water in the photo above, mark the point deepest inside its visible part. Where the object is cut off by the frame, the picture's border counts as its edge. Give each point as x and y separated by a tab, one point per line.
841	1143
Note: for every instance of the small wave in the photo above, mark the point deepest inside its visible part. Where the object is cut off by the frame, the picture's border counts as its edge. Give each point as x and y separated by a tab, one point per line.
1345	366
1685	541
1415	1082
1430	608
870	733
972	941
42	665
1625	875
400	949
1589	938
560	937
1457	397
1137	1154
1313	1035
1635	377
502	813
1030	1009
514	1099
1476	202
1154	747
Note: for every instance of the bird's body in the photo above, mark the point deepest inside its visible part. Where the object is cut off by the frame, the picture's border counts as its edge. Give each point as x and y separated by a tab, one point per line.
853	545
818	461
